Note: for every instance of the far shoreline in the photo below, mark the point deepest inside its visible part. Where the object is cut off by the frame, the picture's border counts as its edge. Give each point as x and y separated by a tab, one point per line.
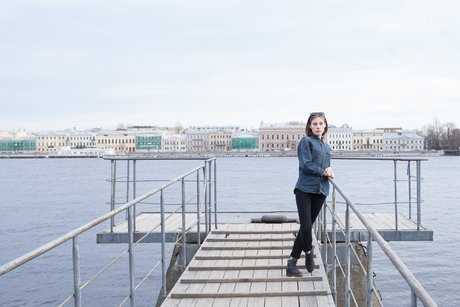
230	154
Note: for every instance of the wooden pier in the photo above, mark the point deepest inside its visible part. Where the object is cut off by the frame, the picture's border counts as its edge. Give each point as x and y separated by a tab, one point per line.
245	265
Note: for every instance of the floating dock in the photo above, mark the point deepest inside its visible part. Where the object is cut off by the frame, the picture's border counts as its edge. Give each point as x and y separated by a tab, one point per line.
149	223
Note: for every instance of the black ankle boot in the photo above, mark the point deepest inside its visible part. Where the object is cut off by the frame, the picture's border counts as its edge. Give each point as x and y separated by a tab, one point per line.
291	269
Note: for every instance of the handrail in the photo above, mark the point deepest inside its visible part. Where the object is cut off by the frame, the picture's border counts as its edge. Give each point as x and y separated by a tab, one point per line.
71	234
413	283
202	193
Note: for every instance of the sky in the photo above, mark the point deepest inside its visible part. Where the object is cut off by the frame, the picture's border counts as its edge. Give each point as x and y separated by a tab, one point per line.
369	64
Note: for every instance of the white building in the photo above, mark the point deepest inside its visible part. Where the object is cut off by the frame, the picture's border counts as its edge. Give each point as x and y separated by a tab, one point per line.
80	139
340	138
404	140
174	142
203	138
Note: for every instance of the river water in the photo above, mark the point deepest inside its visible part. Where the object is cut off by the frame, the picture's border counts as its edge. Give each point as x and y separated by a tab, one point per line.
41	199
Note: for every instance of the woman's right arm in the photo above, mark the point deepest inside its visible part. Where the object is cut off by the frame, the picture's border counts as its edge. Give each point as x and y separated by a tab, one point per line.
306	159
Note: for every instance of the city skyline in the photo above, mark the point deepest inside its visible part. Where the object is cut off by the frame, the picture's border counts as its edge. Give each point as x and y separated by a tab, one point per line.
88	64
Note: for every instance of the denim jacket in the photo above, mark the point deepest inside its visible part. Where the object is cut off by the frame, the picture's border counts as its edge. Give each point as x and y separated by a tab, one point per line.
314	157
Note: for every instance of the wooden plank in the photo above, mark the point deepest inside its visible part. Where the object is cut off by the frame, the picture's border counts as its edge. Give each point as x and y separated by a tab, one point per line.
253	231
249	294
245	274
236	280
259	286
277	255
250	239
243	247
274	286
243	267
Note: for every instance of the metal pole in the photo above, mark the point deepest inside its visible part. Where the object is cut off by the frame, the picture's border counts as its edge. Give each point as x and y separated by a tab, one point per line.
396	196
419	214
413	299
134	193
131	255
410	190
369	272
198	209
76	272
205	197
163	245
215	193
210	195
324	247
347	255
112	197
127	181
334	250
184	240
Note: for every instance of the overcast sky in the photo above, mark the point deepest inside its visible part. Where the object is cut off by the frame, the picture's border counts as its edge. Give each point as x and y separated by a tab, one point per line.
83	64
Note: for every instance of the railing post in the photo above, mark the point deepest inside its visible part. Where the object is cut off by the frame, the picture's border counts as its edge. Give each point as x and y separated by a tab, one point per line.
131	255
163	245
410	189
334	250
396	195
215	193
209	195
205	197
198	208
324	240
134	194
369	287
419	178
76	272
127	180
112	196
347	255
184	240
413	299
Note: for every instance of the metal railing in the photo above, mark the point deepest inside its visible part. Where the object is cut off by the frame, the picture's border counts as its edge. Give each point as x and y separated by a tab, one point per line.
417	178
203	197
417	290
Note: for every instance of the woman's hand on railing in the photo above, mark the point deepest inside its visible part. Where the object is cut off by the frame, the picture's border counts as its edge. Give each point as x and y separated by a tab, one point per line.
328	173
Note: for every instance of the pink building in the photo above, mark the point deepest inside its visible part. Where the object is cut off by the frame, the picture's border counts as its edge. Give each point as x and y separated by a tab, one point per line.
278	136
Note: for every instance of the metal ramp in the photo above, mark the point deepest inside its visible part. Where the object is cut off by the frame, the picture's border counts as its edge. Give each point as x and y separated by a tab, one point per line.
244	265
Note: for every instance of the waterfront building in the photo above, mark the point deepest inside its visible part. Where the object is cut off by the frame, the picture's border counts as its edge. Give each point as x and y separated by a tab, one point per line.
15	145
403	140
245	141
220	139
197	140
50	141
146	142
174	143
80	139
340	138
119	140
368	140
277	136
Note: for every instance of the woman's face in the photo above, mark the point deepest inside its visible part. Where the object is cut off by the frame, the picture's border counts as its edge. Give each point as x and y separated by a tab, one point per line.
317	125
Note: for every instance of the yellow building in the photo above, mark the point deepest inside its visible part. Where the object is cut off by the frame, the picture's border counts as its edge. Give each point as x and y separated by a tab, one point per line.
220	140
119	141
50	141
368	140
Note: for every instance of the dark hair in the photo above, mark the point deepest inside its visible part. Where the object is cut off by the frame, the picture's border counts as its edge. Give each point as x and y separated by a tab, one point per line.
308	131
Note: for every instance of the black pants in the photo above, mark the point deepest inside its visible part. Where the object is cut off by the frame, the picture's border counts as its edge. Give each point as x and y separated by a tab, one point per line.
308	206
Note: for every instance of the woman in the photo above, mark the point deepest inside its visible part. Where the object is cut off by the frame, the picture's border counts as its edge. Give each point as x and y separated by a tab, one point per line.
311	189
